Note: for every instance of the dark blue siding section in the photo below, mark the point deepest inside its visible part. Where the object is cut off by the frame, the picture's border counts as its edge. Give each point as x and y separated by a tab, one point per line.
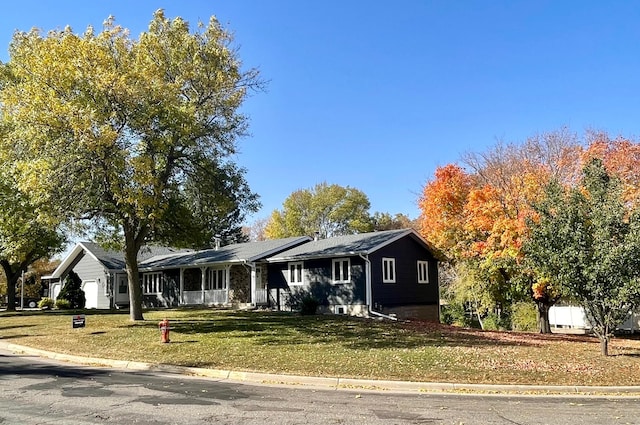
318	281
406	291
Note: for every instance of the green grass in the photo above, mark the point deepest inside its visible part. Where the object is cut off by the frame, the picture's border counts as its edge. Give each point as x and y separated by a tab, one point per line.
334	346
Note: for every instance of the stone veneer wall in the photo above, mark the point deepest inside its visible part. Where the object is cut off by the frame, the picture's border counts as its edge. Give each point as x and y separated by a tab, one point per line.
240	285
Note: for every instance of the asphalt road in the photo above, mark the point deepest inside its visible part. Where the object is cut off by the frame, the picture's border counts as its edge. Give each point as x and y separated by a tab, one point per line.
39	391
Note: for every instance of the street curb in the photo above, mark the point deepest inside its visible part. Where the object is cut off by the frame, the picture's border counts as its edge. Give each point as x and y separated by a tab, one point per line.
339	384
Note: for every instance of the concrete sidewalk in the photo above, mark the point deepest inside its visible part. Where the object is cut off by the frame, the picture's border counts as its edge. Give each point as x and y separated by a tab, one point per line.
309	382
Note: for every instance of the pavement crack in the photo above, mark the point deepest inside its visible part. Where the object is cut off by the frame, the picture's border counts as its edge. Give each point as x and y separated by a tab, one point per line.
501	416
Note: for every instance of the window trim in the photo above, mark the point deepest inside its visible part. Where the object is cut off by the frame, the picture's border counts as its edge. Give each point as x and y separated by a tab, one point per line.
388	274
212	278
295	264
341	278
423	271
149	282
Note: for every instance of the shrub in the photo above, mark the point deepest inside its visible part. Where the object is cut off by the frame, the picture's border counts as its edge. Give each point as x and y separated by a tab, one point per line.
455	314
495	322
63	304
306	301
491	322
308	305
524	317
72	291
46	302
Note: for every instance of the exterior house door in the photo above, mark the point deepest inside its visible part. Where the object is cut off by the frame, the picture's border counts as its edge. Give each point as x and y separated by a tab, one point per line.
122	289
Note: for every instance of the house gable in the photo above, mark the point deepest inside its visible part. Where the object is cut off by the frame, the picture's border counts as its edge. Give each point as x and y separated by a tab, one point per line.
406	288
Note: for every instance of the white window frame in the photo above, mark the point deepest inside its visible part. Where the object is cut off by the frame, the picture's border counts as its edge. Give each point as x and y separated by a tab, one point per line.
216	279
423	271
340	277
152	283
298	268
388	270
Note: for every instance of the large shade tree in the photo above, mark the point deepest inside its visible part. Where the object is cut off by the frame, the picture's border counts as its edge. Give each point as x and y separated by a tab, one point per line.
122	130
587	240
27	232
325	210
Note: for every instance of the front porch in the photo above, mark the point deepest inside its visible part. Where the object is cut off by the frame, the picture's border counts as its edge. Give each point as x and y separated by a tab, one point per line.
219	285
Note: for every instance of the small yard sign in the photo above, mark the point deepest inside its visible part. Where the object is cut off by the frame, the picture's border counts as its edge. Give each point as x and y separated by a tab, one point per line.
78	321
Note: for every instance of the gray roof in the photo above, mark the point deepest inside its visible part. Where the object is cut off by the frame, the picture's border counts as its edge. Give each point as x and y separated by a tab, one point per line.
235	253
114	260
363	243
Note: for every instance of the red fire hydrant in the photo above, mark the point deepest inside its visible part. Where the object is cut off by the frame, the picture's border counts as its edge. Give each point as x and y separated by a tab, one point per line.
164	330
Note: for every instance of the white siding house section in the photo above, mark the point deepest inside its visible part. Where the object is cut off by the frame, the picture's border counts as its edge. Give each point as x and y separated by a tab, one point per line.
567	316
573	317
94	281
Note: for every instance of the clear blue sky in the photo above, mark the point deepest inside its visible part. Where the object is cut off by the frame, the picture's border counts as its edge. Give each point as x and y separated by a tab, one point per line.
376	94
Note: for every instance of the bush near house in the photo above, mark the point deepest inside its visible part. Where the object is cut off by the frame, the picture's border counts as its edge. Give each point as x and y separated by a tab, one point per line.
524	318
63	304
304	302
46	302
72	291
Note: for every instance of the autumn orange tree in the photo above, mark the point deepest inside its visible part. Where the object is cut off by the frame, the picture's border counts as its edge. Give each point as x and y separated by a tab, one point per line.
621	158
478	219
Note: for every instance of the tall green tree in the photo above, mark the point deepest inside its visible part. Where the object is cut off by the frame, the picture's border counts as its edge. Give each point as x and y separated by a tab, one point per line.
588	241
116	128
324	210
385	221
27	233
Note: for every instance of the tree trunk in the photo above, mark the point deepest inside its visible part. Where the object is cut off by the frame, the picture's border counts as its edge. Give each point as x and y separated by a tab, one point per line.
604	345
542	309
12	278
132	247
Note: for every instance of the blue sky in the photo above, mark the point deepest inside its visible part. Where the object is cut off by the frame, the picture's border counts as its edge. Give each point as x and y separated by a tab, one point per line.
376	94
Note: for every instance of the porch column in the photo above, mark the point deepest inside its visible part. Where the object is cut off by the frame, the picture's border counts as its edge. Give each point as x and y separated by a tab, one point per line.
227	276
253	285
203	280
181	286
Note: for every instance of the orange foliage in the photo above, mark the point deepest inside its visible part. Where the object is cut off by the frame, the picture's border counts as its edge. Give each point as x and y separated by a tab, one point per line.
442	205
621	157
482	215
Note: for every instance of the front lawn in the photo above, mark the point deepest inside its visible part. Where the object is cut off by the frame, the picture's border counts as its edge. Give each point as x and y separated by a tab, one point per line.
334	346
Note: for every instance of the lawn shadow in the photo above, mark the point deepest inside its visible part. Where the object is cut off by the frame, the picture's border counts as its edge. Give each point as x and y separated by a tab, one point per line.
4	328
17	336
285	328
632	355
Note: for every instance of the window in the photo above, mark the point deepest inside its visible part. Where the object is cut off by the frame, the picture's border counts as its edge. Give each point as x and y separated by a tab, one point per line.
123	285
423	271
388	270
192	280
152	283
341	270
295	273
217	279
